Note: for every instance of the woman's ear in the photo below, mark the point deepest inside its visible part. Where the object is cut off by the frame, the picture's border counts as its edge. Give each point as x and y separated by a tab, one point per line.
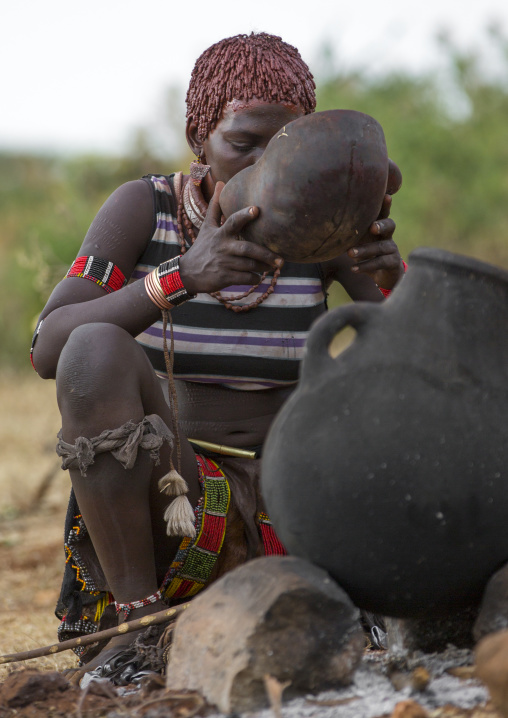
191	134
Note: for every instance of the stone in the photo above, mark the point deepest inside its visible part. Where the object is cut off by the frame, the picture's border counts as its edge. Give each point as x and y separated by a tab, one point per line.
430	634
491	661
276	616
493	613
21	688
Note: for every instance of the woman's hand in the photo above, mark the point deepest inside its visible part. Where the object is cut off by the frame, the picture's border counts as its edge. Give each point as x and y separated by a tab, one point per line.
219	258
379	259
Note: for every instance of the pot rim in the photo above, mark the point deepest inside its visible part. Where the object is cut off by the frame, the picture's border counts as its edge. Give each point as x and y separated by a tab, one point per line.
460	263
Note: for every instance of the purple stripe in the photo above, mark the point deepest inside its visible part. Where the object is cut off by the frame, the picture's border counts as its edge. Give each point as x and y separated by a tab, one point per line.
288	289
231	339
229	380
167	224
279	288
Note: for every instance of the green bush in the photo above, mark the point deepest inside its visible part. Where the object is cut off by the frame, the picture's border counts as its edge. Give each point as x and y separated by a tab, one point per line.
449	143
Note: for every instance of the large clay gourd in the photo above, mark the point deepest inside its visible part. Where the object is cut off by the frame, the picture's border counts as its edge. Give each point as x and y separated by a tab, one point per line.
319	185
388	466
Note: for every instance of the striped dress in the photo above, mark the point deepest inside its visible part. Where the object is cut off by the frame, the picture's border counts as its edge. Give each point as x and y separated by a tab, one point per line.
258	349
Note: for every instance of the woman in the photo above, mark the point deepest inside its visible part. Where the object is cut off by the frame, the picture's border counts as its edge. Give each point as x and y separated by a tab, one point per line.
233	369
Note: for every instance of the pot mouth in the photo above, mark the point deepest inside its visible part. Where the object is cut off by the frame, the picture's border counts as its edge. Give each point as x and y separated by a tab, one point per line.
459	263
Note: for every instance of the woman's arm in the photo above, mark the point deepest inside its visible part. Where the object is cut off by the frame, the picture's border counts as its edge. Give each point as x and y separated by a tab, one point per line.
119	233
373	264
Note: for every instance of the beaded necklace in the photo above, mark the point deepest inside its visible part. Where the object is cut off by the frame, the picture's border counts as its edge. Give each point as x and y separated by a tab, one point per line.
191	212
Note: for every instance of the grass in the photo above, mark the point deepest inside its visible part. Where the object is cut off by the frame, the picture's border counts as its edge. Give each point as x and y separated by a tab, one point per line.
31	526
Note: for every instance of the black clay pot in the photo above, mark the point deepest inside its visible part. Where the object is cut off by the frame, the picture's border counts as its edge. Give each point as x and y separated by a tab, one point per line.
319	186
388	467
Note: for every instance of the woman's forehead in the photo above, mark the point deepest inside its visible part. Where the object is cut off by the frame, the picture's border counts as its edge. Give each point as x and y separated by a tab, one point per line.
244	113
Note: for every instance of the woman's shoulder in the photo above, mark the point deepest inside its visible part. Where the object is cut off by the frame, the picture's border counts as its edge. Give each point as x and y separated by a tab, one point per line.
165	191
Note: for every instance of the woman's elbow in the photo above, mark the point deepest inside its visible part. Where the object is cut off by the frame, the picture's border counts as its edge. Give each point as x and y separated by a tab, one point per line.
42	354
44	365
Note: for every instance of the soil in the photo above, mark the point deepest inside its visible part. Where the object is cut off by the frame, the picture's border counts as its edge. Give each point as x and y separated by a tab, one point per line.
33	498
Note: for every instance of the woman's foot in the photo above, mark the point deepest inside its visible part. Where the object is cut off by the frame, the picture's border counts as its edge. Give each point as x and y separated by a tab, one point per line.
119	650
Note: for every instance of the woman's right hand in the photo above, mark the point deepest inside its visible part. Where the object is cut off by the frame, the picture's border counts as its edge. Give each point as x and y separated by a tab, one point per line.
219	258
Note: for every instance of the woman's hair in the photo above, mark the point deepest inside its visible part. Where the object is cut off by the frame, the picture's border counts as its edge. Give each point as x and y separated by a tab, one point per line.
245	66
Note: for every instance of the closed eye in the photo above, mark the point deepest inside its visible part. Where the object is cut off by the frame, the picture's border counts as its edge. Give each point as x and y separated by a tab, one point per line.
242	147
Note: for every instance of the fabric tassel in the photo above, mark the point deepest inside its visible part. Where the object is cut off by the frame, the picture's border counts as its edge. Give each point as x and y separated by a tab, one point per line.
179	517
173	484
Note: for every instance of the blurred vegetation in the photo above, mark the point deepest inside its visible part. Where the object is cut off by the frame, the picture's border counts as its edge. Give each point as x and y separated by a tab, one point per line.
446	130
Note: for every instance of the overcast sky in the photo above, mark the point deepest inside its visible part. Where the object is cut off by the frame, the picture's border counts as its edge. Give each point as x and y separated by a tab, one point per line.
80	76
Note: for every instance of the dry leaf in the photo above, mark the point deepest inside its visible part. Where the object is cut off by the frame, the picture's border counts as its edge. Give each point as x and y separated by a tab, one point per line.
464	672
409	709
274	690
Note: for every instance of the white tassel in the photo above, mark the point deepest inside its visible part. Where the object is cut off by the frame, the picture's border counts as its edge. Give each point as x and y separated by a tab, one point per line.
179	517
173	484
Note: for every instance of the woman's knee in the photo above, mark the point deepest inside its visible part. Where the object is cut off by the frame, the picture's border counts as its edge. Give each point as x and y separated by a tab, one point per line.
98	363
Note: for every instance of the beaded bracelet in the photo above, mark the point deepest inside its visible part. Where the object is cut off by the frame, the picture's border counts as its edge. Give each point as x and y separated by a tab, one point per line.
164	285
154	291
387	292
101	271
126	608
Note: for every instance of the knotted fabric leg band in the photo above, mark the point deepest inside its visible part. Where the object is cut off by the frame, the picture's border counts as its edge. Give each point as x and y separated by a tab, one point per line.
149	434
123	443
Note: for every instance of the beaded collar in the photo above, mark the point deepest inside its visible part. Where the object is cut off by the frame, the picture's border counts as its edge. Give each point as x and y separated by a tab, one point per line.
194	204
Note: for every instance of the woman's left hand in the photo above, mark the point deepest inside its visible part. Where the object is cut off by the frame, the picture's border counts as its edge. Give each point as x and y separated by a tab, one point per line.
379	259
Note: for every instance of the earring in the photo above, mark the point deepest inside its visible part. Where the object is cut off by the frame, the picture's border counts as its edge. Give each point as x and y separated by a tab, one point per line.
198	171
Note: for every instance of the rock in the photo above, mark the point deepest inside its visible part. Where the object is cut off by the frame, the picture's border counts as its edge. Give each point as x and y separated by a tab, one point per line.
493	613
21	688
430	634
409	709
275	616
491	662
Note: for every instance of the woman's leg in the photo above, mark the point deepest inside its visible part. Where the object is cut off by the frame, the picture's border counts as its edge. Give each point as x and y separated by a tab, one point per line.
104	380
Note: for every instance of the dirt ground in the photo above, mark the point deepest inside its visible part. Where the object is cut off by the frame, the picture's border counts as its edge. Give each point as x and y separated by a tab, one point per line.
33	499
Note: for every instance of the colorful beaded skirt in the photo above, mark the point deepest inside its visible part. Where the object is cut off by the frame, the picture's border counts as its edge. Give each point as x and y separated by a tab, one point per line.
84	609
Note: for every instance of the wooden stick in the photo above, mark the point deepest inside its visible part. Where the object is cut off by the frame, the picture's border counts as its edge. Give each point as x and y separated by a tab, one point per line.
126	627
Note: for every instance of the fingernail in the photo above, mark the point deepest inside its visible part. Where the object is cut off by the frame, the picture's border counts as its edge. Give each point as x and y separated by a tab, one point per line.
354	269
377	226
354	251
252	210
279	263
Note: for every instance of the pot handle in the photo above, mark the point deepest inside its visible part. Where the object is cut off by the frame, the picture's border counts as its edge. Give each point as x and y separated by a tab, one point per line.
317	357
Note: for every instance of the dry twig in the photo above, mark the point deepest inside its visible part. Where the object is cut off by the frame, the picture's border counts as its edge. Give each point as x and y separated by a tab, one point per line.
126	627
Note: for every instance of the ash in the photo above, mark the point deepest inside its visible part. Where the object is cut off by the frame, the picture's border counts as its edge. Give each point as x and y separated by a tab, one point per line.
372	694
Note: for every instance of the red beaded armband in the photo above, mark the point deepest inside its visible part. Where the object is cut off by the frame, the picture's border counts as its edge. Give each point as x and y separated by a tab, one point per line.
104	273
387	292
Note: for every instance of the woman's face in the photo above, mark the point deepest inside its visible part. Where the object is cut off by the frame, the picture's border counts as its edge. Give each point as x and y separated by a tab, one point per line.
242	134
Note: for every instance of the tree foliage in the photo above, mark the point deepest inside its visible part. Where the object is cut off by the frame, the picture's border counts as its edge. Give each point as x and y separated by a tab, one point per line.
446	130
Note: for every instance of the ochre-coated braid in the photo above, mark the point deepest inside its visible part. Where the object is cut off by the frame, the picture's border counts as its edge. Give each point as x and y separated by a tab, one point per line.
183	221
246	66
